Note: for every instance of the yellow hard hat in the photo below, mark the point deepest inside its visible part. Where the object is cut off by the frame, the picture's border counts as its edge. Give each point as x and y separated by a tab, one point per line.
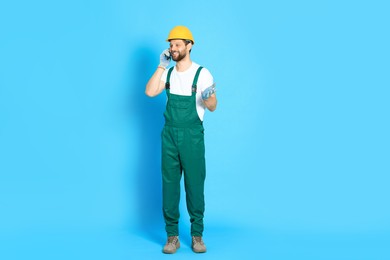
180	32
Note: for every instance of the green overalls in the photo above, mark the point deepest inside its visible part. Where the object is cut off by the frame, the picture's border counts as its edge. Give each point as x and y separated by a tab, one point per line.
183	151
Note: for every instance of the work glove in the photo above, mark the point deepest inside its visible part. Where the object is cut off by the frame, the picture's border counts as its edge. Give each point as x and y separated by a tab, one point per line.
165	58
208	92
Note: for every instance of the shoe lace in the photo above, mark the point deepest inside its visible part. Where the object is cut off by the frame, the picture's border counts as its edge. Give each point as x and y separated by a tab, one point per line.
172	240
197	240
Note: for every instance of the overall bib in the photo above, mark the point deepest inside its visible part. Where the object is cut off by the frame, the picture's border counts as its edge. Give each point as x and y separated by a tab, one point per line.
183	151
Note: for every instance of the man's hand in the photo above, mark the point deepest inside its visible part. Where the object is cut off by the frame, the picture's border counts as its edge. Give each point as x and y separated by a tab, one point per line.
208	92
165	59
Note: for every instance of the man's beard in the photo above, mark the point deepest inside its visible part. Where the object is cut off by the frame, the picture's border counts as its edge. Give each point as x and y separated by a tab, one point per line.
179	57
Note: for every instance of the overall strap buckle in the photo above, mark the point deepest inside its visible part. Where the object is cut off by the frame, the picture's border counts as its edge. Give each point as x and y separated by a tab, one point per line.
194	86
167	84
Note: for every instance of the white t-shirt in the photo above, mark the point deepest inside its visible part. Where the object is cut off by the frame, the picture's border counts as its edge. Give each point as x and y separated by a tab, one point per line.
181	84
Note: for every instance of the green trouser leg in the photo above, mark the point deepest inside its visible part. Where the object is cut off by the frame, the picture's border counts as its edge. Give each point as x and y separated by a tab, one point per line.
193	162
171	173
183	149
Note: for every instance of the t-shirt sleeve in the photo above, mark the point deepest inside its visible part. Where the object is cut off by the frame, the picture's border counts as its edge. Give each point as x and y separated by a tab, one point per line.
205	79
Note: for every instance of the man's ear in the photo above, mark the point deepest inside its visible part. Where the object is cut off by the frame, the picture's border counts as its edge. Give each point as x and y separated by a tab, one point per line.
189	46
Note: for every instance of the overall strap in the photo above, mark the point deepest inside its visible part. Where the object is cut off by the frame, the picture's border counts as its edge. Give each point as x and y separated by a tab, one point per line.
196	79
167	84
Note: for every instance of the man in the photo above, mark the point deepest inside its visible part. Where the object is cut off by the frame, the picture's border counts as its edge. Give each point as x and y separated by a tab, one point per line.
190	90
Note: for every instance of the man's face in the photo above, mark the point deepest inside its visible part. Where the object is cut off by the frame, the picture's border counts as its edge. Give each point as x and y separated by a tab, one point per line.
178	49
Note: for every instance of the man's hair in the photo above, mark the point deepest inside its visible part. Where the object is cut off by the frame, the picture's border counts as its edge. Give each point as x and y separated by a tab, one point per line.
186	42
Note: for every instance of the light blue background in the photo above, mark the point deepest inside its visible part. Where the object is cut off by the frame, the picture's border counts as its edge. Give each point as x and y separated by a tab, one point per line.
297	151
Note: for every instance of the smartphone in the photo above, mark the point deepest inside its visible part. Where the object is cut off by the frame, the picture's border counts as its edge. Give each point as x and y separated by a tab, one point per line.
169	56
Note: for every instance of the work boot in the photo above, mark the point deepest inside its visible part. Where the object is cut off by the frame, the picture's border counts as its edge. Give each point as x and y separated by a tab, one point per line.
198	245
172	245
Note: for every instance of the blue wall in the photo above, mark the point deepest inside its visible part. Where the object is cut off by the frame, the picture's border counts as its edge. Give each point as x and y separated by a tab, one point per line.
300	139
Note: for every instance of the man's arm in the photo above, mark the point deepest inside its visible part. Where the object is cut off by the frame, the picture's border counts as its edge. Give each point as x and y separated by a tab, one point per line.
155	85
